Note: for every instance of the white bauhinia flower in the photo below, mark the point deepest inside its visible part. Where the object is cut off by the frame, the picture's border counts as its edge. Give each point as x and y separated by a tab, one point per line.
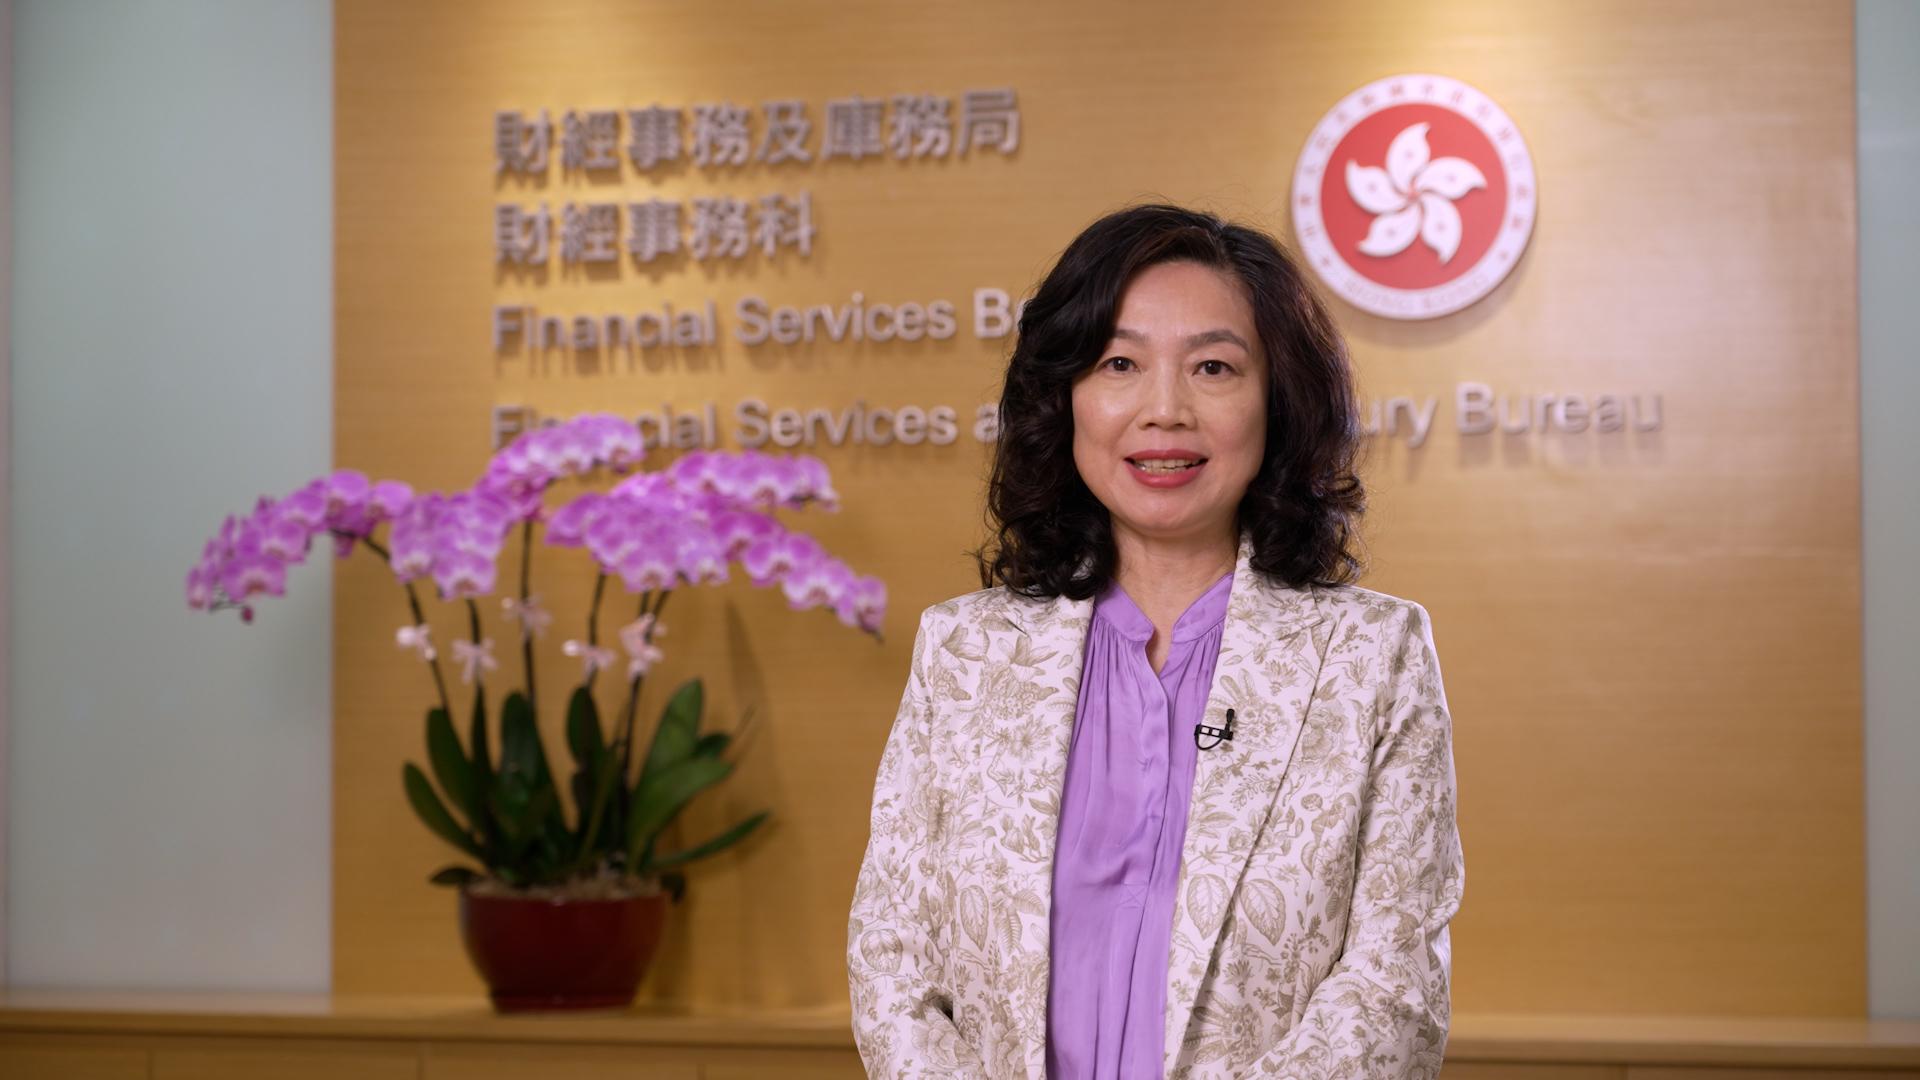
1413	196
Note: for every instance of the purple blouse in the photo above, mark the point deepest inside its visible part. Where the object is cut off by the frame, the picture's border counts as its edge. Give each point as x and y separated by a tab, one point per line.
1123	819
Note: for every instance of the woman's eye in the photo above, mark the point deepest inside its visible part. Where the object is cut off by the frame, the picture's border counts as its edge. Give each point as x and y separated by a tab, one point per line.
1214	367
1118	363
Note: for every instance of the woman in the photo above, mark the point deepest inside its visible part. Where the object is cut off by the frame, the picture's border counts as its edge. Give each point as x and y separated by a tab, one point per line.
1171	796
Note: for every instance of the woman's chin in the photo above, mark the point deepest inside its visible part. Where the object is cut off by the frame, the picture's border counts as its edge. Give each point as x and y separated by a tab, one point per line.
1162	527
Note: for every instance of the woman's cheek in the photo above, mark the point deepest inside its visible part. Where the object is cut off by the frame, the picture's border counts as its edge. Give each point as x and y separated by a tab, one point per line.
1252	442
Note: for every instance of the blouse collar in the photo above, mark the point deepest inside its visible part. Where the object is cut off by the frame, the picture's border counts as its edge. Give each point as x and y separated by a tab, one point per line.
1207	613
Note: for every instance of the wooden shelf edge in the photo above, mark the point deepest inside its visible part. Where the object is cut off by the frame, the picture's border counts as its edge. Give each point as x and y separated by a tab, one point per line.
1627	1040
1685	1040
456	1019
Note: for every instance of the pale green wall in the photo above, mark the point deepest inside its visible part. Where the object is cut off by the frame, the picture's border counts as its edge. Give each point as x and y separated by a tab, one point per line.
1889	64
168	802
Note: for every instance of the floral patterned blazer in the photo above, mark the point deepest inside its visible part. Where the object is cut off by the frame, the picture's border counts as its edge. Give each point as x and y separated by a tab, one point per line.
1320	868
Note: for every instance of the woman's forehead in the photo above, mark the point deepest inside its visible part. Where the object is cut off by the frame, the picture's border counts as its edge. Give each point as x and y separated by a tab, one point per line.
1173	291
1217	335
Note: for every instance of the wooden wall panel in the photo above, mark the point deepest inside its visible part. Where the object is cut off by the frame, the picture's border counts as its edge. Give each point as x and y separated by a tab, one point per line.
559	1062
40	1059
1653	1073
283	1059
1651	641
1454	1070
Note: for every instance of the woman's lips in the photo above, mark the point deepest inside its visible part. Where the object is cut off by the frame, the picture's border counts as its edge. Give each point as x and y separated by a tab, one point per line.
1164	477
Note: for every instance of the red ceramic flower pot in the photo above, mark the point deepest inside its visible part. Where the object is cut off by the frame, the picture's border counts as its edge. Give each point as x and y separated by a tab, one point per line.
561	954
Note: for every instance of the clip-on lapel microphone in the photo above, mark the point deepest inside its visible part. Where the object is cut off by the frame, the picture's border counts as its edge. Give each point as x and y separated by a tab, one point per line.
1217	734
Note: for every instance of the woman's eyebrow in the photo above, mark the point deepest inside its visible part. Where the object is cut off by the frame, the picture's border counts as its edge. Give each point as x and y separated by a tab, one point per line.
1194	341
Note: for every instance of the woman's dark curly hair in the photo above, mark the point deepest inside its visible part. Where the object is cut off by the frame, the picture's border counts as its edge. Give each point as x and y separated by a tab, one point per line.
1050	536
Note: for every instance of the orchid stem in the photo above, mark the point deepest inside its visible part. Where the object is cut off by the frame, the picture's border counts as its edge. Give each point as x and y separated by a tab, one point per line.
593	613
433	663
659	603
526	628
633	709
624	744
593	622
419	619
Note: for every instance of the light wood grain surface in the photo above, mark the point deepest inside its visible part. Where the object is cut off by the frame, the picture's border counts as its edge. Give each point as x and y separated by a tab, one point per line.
1492	1037
1651	642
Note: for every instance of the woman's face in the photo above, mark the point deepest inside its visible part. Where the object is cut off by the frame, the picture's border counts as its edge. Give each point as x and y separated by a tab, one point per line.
1170	425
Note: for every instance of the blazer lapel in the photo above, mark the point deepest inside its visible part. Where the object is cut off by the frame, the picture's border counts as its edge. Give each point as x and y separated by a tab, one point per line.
1047	657
1268	666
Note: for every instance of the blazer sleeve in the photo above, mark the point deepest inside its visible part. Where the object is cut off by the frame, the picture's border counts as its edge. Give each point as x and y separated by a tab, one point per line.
902	1015
1384	1007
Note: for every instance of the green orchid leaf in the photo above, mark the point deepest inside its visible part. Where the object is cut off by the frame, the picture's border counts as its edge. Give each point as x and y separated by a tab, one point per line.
554	852
679	731
512	799
556	839
433	813
580	785
656	801
712	744
584	738
477	738
482	759
600	792
508	801
546	810
717	844
450	765
675	884
590	754
520	751
455	875
523	817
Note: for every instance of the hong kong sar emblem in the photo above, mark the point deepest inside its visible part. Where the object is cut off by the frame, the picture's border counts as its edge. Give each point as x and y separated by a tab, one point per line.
1414	197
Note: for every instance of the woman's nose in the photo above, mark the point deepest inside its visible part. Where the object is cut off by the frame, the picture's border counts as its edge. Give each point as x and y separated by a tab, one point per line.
1167	403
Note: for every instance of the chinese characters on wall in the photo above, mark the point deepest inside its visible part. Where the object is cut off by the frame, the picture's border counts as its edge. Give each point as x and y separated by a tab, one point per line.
722	138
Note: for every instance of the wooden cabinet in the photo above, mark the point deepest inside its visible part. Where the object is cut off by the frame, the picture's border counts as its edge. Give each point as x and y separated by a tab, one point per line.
58	1057
214	1058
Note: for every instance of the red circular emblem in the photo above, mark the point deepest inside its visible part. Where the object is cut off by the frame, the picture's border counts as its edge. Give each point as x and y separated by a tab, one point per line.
1413	197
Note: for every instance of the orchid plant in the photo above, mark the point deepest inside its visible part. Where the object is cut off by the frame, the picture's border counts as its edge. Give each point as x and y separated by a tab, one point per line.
691	523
